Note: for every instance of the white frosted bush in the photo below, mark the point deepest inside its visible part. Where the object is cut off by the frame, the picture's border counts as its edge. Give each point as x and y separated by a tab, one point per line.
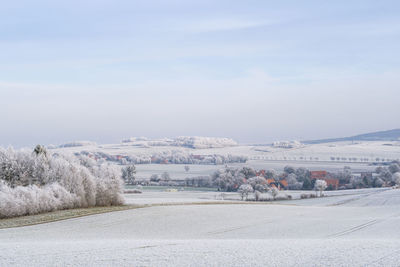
109	187
320	185
27	200
31	183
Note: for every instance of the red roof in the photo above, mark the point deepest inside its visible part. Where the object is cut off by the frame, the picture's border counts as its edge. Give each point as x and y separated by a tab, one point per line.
318	174
333	182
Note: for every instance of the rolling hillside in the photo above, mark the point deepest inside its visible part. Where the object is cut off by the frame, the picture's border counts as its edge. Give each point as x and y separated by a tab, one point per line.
390	135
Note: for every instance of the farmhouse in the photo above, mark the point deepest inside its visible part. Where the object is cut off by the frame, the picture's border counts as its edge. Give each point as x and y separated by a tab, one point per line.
281	185
324	175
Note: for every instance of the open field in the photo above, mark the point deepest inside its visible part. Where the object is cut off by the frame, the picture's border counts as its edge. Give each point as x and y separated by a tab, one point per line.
348	228
59	215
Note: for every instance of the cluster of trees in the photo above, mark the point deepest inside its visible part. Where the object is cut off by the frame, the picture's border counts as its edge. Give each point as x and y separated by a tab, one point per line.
199	142
167	157
179	157
383	176
199	181
389	174
287	144
230	179
35	182
195	142
245	181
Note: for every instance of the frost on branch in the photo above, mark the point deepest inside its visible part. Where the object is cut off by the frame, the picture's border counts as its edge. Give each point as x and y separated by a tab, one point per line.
32	183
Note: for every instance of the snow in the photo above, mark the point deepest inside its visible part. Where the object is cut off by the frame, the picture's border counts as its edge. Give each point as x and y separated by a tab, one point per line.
358	156
347	228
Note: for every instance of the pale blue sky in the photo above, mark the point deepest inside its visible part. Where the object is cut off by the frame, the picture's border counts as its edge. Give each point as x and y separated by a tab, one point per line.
255	71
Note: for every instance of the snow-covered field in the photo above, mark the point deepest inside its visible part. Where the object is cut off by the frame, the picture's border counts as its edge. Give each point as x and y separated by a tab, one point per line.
329	156
348	228
345	151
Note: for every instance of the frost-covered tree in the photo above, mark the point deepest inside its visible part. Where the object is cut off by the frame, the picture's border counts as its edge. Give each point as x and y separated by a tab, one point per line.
257	195
244	191
274	192
271	174
40	150
302	174
384	174
357	182
248	172
258	183
378	182
345	175
394	167
154	178
31	183
396	178
199	181
128	174
228	179
320	185
165	177
293	183
289	169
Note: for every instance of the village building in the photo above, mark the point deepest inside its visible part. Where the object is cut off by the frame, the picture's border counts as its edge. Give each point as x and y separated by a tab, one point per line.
332	183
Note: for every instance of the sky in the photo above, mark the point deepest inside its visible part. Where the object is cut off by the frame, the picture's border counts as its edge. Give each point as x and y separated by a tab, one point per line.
254	71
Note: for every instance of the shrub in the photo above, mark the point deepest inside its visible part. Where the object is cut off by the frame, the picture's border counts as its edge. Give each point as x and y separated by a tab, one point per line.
32	183
132	191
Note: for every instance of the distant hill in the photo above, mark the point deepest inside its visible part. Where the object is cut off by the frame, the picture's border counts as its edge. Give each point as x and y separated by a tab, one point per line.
391	135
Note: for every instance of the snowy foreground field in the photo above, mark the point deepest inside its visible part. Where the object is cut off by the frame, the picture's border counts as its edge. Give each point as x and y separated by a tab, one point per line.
347	228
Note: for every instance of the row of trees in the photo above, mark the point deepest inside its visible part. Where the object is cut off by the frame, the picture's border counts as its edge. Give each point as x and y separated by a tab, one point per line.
167	157
35	182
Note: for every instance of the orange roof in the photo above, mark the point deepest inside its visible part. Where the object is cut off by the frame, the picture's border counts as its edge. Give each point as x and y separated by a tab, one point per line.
284	183
270	181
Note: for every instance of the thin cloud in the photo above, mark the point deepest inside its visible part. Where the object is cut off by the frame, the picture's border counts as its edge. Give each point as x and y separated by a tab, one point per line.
213	25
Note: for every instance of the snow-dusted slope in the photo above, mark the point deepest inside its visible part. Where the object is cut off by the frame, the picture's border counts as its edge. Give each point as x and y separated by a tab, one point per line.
358	229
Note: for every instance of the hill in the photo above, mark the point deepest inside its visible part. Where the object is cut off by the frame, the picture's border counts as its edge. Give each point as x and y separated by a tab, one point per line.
390	135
